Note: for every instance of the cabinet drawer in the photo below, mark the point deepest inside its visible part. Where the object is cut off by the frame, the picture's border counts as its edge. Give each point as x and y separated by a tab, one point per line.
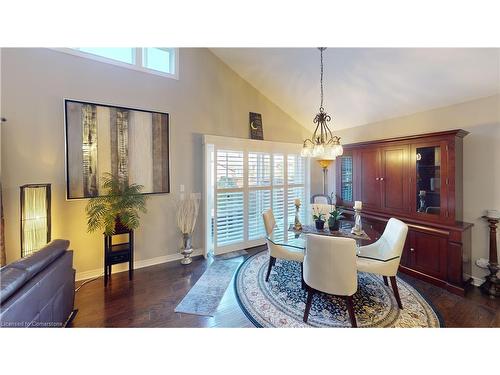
428	253
118	257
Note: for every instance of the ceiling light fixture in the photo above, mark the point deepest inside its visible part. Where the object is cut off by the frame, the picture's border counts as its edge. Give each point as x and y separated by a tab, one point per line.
323	144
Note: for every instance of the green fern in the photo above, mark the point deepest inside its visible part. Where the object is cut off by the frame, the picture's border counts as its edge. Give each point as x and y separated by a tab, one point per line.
120	201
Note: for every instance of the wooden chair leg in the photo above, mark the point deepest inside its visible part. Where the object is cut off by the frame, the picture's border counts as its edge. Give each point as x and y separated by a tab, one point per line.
272	260
350	309
385	281
310	294
396	292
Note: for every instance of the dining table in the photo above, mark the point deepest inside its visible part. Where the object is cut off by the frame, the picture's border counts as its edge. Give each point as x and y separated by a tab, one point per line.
295	240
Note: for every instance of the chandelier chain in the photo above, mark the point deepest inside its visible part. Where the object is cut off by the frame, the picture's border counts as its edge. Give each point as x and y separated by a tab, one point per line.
321	77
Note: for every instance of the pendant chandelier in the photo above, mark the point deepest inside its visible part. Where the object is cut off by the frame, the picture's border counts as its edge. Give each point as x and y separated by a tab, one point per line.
323	144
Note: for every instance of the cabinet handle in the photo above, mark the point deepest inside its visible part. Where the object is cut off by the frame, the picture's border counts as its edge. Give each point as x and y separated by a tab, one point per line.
381	179
412	249
376	178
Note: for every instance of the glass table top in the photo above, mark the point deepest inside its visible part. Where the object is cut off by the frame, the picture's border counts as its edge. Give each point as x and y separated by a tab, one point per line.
296	240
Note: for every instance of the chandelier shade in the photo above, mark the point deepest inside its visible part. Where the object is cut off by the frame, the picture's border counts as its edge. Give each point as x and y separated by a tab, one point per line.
323	144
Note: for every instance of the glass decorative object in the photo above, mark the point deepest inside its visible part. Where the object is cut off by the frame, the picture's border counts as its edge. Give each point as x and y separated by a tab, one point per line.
297	224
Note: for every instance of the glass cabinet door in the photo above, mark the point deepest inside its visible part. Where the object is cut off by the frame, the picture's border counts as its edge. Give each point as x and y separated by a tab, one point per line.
428	180
346	178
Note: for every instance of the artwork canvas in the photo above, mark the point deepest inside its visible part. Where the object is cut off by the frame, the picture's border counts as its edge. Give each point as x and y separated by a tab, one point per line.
129	143
256	129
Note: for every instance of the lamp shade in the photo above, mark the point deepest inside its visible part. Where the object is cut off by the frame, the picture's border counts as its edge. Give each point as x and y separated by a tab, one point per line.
35	217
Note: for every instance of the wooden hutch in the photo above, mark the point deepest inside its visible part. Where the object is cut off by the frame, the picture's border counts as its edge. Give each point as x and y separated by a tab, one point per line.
417	179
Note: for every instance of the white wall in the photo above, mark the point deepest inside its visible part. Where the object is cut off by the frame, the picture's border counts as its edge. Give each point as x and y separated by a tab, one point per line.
481	118
209	98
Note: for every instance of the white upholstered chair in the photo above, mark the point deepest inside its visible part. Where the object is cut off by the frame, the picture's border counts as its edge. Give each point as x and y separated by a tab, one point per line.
389	245
277	251
321	199
330	267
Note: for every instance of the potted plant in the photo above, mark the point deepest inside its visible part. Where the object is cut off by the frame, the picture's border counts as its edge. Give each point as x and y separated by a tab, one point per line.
334	219
118	208
319	218
187	213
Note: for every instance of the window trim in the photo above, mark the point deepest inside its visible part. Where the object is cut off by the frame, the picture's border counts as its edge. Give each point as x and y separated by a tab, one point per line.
137	66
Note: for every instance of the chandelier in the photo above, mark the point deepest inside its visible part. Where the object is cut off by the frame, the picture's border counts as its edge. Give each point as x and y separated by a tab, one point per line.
323	144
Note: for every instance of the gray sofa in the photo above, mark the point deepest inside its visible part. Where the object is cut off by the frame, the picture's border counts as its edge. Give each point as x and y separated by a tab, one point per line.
38	291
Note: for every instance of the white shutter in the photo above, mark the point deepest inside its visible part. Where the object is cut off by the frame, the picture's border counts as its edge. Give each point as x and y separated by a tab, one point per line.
258	202
259	169
244	180
229	218
229	169
229	196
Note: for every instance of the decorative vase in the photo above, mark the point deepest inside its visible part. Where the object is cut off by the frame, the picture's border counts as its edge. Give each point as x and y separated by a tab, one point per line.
297	225
187	248
334	225
320	224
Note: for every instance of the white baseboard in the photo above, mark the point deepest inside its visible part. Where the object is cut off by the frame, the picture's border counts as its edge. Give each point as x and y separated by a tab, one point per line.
137	264
477	281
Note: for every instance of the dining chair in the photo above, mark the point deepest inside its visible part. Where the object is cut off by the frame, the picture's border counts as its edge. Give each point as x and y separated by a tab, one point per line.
330	267
277	251
321	199
389	245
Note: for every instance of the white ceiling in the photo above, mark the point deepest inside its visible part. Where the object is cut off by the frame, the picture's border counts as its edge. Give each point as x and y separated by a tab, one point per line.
364	85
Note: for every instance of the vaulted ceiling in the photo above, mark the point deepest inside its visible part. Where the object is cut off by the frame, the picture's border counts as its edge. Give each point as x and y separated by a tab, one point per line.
364	85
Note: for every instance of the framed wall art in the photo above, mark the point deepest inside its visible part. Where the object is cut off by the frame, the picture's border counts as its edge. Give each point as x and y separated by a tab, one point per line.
133	144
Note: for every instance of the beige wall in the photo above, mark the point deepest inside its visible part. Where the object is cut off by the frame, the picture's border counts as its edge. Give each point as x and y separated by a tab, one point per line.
209	98
481	118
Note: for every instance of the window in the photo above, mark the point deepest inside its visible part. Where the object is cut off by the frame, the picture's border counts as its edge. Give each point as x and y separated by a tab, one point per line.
156	60
242	180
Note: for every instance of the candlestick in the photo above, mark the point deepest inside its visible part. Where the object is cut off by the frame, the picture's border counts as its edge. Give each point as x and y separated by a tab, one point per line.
358	205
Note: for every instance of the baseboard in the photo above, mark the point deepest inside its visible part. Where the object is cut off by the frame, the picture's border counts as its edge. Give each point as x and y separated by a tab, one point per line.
137	264
477	281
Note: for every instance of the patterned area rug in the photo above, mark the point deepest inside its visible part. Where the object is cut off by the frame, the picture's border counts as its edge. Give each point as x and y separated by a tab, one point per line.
204	297
281	301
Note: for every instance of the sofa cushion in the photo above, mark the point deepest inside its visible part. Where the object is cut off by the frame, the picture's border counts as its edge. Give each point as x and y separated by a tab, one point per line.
11	279
42	258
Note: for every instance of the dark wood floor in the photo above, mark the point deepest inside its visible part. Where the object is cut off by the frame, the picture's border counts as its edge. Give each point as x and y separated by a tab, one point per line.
150	299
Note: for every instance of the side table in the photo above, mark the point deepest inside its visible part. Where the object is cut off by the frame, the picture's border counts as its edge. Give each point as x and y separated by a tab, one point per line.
118	253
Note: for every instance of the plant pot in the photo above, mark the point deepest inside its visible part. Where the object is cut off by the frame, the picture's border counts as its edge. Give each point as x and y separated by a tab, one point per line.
334	225
119	227
320	224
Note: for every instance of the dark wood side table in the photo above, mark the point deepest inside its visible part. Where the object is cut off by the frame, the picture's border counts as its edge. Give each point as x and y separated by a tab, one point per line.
491	286
118	253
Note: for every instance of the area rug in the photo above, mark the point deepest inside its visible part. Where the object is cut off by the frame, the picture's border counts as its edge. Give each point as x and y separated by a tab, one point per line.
204	297
281	301
231	255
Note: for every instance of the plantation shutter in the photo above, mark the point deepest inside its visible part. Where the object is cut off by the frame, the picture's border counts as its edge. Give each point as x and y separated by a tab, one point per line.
244	178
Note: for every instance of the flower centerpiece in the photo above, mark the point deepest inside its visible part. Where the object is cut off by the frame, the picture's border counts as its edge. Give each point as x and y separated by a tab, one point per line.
297	225
334	219
319	218
187	213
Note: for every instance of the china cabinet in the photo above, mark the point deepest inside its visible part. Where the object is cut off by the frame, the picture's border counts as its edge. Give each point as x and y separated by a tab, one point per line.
417	179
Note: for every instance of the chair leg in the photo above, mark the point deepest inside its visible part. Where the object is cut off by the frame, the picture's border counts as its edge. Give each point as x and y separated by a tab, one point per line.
272	260
396	292
350	309
310	294
302	282
385	281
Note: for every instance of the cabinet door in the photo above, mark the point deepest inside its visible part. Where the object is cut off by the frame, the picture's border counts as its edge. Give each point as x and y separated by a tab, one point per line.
428	253
394	178
369	177
345	179
429	181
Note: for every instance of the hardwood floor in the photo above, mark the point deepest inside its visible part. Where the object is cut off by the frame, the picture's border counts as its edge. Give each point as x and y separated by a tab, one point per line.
150	299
